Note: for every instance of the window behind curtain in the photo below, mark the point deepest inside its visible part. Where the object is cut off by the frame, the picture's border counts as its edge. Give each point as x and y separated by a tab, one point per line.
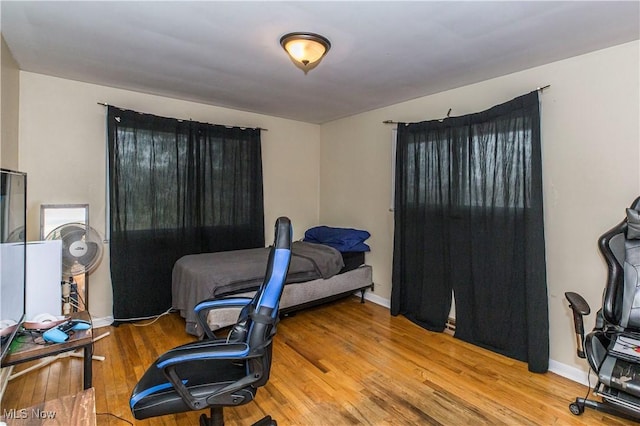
176	188
486	165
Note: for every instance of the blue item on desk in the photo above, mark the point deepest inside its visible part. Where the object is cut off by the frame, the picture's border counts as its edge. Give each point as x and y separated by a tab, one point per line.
61	333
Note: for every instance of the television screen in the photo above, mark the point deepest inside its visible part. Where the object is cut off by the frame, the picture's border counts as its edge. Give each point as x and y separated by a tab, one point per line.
13	209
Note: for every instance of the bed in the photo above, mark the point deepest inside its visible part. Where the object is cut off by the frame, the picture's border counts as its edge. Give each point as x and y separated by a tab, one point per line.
318	273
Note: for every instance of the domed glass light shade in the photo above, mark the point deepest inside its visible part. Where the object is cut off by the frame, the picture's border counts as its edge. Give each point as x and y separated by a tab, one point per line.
306	50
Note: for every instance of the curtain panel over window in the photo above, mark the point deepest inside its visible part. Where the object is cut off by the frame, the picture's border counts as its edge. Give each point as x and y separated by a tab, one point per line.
469	219
176	187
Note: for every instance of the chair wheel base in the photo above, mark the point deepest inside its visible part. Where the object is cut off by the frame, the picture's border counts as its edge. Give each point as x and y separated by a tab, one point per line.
577	408
207	421
266	421
216	419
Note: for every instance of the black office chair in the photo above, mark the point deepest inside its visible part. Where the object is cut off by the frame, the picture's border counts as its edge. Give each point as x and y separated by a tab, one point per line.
613	347
216	373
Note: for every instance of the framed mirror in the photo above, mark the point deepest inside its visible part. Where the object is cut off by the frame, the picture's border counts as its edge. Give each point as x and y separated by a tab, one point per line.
51	217
54	215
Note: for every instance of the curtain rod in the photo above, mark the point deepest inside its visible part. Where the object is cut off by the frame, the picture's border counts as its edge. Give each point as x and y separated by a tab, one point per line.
242	127
539	89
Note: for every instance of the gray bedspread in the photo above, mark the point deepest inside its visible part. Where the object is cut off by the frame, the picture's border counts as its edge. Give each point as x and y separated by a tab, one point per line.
198	277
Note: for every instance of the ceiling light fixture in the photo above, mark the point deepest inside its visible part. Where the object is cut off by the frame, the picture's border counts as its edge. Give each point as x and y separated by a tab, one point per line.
306	50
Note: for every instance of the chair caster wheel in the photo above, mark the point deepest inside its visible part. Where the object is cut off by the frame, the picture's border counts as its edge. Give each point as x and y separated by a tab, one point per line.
211	421
266	421
576	409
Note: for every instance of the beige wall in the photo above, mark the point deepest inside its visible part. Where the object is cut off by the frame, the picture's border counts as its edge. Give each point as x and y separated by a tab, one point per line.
62	148
591	152
9	101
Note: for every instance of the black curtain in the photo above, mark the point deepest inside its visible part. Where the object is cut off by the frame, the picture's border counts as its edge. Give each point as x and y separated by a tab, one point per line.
469	219
176	187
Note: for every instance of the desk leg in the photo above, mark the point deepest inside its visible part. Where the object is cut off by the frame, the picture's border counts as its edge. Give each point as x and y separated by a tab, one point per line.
88	363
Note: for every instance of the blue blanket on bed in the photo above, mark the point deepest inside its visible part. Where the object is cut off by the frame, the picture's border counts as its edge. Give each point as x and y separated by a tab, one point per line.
342	239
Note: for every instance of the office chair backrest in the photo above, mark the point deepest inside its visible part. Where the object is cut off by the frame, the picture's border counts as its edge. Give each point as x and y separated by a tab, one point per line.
257	322
622	255
267	298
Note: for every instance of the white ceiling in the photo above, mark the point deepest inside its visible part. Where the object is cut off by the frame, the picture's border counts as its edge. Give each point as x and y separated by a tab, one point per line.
228	53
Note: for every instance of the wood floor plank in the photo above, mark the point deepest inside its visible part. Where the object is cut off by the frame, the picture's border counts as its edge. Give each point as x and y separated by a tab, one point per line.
340	364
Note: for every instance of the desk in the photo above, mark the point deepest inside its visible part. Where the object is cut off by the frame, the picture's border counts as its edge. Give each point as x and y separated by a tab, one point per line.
23	351
71	410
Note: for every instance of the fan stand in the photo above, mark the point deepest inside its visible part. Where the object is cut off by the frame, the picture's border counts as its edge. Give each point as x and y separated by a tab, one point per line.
82	282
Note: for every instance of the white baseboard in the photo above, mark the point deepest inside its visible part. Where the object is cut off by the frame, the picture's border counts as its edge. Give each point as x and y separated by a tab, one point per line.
564	370
571	373
376	299
102	321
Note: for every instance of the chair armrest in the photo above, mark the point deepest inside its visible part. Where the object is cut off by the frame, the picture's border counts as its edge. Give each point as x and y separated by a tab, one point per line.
225	302
577	303
580	307
189	352
203	308
203	350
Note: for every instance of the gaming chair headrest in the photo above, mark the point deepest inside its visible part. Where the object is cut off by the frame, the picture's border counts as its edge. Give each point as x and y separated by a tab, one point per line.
283	233
633	221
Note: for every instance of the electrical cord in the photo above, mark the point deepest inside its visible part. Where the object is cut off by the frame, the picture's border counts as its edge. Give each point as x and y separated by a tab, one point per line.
31	336
588	384
154	318
167	312
151	317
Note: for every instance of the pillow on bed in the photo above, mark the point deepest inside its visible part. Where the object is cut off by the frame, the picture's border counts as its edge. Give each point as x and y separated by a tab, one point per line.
633	224
342	239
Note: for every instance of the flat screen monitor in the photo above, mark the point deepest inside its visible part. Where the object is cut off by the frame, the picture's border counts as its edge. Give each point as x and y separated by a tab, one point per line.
13	255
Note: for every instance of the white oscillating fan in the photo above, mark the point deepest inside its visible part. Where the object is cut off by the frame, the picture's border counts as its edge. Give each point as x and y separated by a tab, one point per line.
81	248
81	254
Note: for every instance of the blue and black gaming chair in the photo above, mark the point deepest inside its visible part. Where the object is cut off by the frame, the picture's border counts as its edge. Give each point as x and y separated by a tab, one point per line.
613	347
216	373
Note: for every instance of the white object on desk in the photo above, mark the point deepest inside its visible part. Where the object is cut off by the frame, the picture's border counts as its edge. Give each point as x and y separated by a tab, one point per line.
44	273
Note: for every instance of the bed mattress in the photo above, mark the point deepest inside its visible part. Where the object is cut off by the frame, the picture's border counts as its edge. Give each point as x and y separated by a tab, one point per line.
203	276
297	296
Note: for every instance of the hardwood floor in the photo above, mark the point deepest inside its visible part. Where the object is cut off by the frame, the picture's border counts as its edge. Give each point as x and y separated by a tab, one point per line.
339	364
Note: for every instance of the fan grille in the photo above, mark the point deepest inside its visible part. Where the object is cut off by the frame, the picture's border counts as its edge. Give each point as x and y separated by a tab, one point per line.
81	248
